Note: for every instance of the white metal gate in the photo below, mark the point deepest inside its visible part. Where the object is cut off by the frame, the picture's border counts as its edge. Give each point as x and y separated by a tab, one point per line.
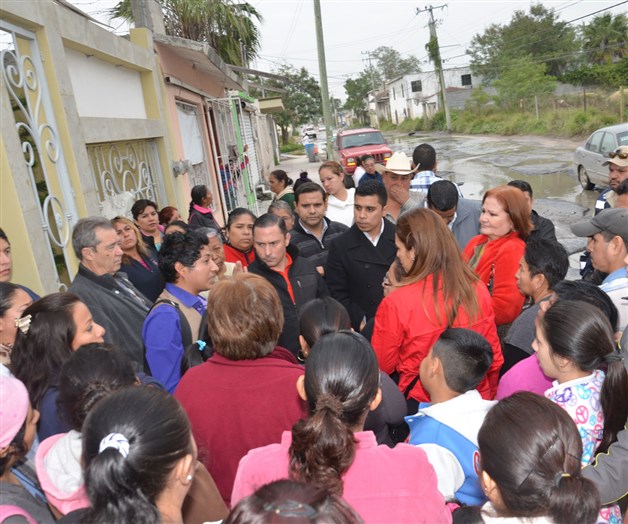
227	160
25	82
249	138
125	172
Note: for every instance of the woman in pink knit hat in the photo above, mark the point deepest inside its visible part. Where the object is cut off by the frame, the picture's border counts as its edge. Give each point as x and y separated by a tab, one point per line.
20	493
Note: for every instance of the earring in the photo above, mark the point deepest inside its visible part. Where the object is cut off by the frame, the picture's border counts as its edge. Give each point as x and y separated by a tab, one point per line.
301	356
190	478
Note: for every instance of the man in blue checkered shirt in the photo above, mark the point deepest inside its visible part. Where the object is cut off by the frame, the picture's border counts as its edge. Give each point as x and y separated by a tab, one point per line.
424	159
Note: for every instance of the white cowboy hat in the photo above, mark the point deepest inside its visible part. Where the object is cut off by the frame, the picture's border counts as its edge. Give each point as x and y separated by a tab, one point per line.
398	163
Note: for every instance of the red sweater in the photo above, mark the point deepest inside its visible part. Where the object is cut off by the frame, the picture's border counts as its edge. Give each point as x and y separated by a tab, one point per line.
502	257
233	254
236	406
406	328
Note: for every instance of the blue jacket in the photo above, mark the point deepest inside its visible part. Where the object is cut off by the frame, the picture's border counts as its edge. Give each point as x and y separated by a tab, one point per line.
427	430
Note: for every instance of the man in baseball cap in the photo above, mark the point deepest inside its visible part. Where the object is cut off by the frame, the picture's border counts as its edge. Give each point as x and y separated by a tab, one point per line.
617	173
607	234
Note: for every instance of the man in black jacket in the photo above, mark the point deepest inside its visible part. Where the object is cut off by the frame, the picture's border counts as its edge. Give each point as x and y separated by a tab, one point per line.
543	227
294	278
313	232
359	258
112	300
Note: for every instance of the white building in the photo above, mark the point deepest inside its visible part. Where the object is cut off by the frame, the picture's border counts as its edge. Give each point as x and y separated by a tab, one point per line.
417	95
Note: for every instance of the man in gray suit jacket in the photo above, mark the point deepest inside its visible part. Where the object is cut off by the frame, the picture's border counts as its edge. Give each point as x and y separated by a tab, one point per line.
461	215
112	300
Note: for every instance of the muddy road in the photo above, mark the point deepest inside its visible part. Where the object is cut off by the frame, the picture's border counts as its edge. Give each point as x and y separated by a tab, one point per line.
481	162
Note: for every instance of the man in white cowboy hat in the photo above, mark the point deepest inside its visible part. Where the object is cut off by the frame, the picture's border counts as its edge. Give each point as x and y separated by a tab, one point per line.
397	175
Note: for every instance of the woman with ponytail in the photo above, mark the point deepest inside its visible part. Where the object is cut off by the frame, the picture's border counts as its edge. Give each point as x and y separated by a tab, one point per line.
529	466
200	213
575	346
330	449
139	458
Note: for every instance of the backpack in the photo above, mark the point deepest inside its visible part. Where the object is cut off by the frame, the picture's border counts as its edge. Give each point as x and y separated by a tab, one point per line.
202	344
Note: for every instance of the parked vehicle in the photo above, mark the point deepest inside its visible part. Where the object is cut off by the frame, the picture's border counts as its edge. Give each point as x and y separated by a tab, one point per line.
590	157
353	143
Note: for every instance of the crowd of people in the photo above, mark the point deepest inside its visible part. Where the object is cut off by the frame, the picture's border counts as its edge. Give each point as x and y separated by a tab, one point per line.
372	349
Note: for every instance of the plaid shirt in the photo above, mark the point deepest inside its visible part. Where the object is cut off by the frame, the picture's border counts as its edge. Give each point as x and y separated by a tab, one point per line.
424	179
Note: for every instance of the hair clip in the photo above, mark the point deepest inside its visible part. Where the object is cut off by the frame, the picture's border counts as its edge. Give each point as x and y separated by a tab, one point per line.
23	324
560	476
201	345
116	441
291	509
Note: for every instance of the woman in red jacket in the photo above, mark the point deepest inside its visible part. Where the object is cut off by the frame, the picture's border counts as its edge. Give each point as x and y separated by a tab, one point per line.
495	253
438	291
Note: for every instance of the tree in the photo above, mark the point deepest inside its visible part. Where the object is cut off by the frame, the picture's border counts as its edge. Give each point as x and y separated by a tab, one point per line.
539	35
478	99
605	39
390	64
302	101
599	74
521	79
227	25
357	90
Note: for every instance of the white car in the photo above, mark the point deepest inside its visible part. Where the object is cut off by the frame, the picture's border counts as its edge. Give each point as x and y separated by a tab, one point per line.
590	157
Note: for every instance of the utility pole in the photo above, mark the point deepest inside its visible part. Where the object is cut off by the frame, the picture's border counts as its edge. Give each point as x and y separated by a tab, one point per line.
322	68
435	56
368	57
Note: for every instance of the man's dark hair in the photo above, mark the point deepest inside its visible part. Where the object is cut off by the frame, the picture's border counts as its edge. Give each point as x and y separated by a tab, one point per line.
424	157
547	258
523	185
177	247
442	195
622	188
309	187
466	357
372	187
270	220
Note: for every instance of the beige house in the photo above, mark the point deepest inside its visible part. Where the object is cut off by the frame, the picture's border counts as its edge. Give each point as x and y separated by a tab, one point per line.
91	121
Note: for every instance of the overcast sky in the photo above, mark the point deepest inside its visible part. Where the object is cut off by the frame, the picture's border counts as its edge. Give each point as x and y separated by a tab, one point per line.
352	27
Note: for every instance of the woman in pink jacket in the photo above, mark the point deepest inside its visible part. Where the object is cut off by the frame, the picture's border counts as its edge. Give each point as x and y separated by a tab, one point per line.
330	449
495	253
438	291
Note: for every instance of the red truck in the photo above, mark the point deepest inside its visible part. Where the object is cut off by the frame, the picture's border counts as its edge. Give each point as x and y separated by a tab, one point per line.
354	143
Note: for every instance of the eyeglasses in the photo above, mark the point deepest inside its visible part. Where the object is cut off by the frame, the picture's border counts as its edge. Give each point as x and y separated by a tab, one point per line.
619	154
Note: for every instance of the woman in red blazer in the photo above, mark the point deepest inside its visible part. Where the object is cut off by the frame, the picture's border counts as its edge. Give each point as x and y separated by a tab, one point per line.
438	291
495	253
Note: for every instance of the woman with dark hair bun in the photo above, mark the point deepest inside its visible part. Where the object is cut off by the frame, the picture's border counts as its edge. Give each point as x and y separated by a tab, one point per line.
139	458
296	502
330	450
322	316
280	184
200	212
49	331
529	466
